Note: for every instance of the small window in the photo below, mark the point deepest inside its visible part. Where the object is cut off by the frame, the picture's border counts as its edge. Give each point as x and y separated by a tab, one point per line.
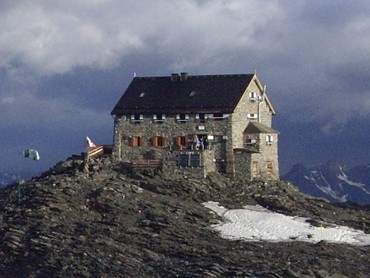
158	141
136	141
193	93
269	139
251	141
159	118
182	117
252	116
201	117
142	94
252	96
136	118
182	141
219	116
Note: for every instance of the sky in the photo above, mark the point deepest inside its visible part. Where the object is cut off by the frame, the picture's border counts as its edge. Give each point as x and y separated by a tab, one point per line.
64	65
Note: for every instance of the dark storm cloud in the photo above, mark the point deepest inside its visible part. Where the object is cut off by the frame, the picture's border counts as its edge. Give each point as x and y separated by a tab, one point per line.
64	64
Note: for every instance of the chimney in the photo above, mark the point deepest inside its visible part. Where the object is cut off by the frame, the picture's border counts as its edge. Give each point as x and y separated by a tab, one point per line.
184	76
174	77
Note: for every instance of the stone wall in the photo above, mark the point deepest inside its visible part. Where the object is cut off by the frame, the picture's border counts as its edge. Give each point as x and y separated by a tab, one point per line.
169	130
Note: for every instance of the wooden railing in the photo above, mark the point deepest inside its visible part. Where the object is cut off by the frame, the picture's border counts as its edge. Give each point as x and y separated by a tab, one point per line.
92	151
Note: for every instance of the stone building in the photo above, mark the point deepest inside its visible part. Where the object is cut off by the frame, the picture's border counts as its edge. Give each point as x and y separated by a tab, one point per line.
198	124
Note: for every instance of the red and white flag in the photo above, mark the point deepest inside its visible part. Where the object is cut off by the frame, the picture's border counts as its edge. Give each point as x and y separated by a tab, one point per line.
89	143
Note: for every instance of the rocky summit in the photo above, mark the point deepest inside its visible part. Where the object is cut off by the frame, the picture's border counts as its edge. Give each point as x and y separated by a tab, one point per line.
115	221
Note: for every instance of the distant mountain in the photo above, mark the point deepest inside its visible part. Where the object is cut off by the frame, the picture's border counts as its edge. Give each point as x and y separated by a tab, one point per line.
7	178
333	181
10	177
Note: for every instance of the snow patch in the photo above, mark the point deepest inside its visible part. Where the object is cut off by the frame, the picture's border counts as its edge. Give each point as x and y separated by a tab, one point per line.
255	223
357	184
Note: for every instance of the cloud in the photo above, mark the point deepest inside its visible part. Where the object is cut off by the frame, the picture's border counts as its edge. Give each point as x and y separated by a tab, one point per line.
55	38
63	63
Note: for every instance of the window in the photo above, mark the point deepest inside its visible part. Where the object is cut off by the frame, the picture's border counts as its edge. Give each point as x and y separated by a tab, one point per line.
182	117
137	118
252	96
252	116
269	139
219	116
201	117
158	141
251	141
159	118
142	94
136	141
182	141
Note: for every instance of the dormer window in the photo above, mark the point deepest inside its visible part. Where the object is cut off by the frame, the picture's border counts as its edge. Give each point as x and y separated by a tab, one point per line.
252	96
218	116
182	117
159	118
201	117
137	118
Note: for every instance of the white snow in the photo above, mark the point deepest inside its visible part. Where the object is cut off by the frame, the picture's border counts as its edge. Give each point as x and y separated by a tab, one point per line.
344	178
255	223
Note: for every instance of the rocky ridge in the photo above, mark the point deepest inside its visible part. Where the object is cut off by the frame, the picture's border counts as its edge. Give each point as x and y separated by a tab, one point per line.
119	222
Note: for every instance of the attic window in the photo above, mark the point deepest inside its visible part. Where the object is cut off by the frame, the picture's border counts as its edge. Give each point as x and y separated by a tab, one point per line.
159	118
142	94
193	93
137	118
252	96
182	118
201	117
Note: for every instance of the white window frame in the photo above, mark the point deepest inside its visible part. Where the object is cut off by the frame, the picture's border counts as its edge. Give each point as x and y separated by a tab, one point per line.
269	139
252	96
135	120
155	118
178	117
252	116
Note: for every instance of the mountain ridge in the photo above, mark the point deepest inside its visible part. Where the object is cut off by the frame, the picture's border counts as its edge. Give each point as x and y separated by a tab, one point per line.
333	181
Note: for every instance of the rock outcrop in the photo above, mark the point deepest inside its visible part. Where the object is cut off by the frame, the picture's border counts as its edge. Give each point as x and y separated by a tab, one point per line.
119	222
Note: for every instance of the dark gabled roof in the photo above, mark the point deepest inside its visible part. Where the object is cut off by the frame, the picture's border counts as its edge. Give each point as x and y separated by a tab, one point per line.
255	127
202	94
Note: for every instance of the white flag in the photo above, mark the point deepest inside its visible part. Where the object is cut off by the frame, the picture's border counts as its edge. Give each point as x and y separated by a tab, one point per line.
89	142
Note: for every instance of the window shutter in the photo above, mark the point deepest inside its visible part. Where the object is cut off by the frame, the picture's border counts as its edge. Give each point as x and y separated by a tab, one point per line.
178	141
155	141
141	141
